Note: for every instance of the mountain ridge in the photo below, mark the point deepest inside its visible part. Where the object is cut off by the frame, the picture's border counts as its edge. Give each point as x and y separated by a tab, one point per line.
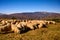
32	15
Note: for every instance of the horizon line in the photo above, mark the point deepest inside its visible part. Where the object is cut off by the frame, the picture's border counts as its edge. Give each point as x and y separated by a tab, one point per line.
28	12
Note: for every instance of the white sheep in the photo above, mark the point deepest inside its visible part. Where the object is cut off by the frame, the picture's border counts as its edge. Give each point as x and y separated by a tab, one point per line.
5	28
23	24
41	25
3	22
14	28
53	22
30	25
19	25
50	22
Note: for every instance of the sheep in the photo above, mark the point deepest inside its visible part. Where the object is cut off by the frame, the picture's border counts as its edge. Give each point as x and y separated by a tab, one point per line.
50	22
7	21
3	22
42	21
30	25
2	28
38	21
41	25
10	20
14	28
5	28
18	25
35	24
53	22
23	24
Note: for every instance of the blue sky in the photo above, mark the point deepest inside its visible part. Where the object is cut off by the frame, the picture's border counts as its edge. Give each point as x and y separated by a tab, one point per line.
16	6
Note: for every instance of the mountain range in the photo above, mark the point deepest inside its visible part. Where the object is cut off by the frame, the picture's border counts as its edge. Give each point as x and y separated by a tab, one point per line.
31	15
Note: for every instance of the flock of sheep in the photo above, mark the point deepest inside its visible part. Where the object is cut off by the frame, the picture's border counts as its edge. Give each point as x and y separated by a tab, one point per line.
17	26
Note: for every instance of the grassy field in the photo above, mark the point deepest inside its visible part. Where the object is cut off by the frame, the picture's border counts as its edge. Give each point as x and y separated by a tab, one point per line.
50	33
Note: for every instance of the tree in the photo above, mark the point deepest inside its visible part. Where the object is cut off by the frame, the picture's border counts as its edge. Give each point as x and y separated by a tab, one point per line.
13	17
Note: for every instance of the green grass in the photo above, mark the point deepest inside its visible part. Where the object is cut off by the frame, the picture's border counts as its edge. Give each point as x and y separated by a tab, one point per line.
50	33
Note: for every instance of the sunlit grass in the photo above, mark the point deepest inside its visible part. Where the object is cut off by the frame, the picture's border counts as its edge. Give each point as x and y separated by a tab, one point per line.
52	32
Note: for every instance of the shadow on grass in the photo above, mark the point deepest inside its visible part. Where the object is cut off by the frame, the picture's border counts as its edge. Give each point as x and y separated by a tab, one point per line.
24	30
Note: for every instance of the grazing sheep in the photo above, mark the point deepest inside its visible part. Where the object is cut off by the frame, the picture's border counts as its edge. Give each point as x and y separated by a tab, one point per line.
30	25
53	22
23	24
19	25
41	25
3	22
10	20
2	28
35	24
5	28
14	28
50	22
41	21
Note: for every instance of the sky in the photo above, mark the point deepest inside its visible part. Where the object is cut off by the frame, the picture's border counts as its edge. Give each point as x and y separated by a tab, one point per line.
18	6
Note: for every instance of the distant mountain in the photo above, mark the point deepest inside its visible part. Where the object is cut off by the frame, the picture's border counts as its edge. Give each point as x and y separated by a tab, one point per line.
2	14
32	15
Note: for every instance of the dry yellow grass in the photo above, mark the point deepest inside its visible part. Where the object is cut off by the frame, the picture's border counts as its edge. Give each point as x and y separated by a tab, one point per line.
50	33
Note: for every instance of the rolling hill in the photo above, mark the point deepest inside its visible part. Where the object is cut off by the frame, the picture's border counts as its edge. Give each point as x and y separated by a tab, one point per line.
32	15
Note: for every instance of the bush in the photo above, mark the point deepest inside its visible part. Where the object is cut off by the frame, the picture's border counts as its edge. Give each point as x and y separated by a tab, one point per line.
13	17
57	20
